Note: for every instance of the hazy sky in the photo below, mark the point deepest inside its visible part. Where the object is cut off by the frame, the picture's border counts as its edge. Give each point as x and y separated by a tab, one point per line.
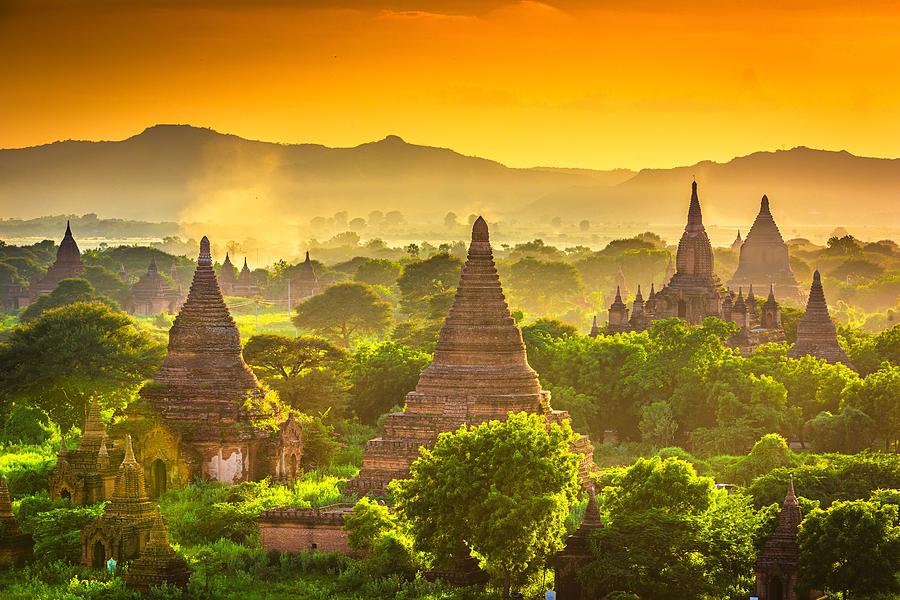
593	84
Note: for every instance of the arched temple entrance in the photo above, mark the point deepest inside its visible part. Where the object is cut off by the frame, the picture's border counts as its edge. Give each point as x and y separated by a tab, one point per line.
64	493
158	478
98	555
776	589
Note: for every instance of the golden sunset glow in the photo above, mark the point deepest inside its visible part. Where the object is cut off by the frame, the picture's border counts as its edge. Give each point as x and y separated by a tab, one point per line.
592	84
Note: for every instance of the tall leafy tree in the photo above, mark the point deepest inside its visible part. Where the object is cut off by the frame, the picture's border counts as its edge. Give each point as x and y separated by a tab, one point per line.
878	395
307	372
60	359
422	279
68	291
501	489
381	375
344	312
853	547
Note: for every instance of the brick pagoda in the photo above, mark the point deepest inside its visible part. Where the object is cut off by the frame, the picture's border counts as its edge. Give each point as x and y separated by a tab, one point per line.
479	372
577	553
15	546
68	264
816	333
157	563
152	294
306	283
199	415
779	561
243	285
305	529
227	276
87	474
764	257
122	531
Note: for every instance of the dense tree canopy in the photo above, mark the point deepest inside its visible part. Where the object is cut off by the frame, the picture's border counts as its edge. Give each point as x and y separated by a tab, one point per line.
500	489
344	312
62	358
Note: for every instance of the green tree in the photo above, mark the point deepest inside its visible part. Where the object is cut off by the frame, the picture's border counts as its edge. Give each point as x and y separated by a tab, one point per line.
670	534
853	547
307	372
501	489
378	271
380	377
878	396
60	359
343	312
540	287
422	279
368	521
658	424
69	291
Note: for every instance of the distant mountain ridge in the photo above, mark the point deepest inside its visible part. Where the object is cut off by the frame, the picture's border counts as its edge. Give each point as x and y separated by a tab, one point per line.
186	173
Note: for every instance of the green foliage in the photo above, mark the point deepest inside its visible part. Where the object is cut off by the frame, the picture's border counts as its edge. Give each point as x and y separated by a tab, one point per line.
543	288
539	336
501	490
307	372
344	312
27	468
206	511
26	425
849	431
320	442
878	396
59	360
68	291
423	279
367	523
829	478
378	271
380	376
57	532
669	534
658	424
853	547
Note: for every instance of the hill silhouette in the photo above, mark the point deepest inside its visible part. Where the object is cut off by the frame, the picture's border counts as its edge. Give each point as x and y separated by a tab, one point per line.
186	173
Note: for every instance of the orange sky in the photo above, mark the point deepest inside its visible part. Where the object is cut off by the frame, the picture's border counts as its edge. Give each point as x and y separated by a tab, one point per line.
594	84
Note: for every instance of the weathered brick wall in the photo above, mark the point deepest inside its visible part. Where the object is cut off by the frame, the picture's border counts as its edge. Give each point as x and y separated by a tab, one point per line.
298	537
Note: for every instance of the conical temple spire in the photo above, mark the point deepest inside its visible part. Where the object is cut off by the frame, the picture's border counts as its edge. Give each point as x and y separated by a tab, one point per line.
93	424
764	205
480	348
595	329
816	332
771	297
129	452
591	518
68	229
245	264
618	297
791	497
307	257
638	297
695	216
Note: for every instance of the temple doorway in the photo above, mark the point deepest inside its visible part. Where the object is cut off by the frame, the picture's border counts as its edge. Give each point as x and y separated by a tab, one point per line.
682	309
776	591
158	478
65	494
98	556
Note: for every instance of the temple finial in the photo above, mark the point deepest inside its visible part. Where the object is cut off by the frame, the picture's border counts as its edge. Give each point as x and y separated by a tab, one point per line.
68	228
129	452
205	258
480	231
695	215
764	204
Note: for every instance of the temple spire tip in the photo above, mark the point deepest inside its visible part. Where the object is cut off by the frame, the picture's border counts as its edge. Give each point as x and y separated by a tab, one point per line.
480	230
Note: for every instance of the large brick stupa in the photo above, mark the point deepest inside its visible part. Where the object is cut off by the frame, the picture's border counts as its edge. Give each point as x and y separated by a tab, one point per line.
480	372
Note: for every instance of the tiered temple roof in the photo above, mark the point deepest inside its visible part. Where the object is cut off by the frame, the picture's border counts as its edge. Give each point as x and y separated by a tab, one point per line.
152	293
123	529
68	264
203	381
307	282
778	563
15	546
764	257
227	275
694	291
243	286
738	242
816	333
87	474
157	563
480	372
618	314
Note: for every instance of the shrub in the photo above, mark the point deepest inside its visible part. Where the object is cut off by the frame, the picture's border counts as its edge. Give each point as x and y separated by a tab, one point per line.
27	468
57	532
26	425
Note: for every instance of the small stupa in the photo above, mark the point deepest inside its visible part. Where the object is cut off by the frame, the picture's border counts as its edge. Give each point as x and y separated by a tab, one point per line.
15	546
306	283
152	294
779	562
570	560
158	563
816	332
122	531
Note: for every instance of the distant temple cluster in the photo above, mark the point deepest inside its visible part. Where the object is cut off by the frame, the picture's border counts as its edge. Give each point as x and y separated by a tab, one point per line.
693	291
